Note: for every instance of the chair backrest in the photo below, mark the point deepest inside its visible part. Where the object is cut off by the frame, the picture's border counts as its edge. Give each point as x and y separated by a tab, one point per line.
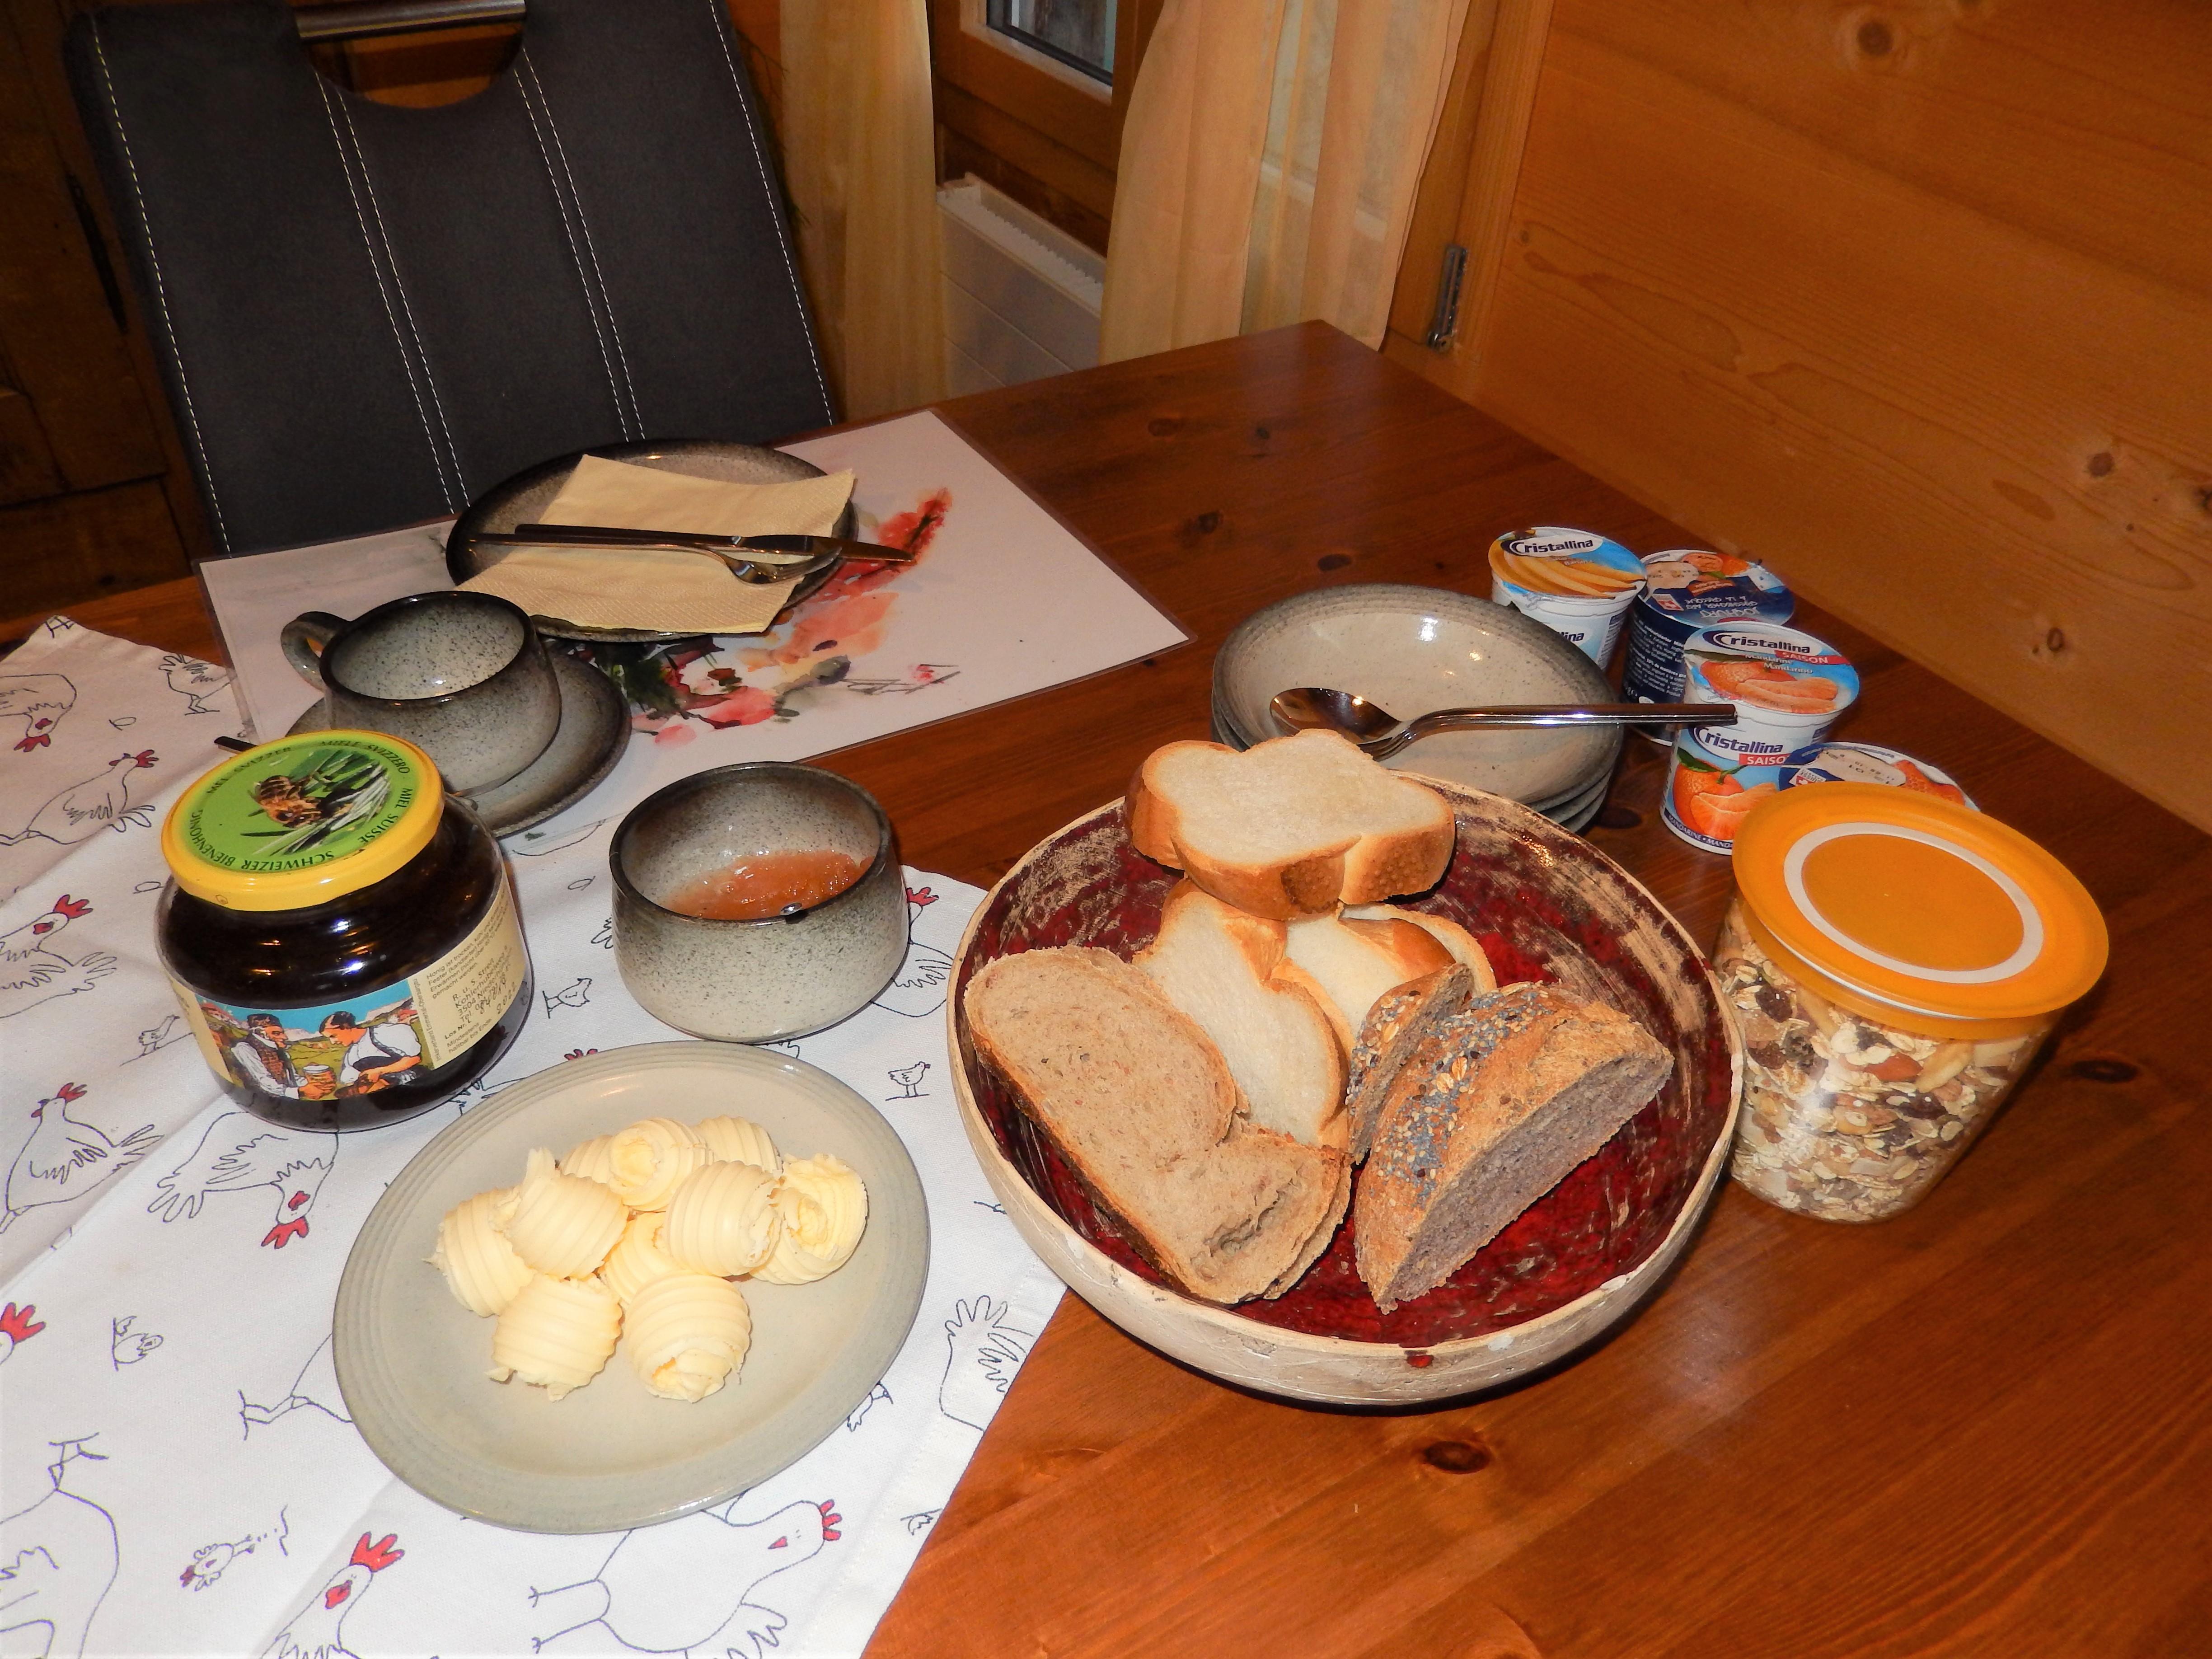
366	315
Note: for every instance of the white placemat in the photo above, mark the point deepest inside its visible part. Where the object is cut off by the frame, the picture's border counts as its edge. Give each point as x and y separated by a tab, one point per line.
181	1475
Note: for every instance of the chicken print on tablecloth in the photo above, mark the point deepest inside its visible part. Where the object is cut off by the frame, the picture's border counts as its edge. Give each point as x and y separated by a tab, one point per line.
878	1395
100	802
32	971
314	1388
210	1561
40	701
126	1346
238	1152
59	1556
575	994
155	1038
17	1327
908	1078
194	681
317	1631
65	1156
981	1354
687	1585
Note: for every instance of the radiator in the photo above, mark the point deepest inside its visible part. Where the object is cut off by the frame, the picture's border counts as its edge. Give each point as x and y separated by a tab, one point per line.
1021	295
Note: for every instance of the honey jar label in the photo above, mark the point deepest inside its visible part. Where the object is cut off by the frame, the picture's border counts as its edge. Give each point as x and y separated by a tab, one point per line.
375	1038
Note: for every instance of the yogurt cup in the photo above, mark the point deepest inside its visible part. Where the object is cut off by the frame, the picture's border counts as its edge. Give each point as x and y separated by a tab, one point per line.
1867	763
1787	688
1687	589
1576	582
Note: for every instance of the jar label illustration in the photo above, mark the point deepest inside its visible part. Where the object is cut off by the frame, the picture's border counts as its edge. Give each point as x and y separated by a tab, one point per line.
374	1039
296	804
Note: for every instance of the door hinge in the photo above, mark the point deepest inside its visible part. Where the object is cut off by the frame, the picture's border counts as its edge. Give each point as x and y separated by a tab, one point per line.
1446	322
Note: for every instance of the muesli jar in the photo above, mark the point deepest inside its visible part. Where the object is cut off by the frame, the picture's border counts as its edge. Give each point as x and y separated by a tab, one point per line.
1893	961
341	933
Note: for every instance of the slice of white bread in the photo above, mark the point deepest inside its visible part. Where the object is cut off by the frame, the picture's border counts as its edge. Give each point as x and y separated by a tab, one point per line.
1228	972
1357	963
1458	943
1290	827
1142	1108
1392	1031
1491	1111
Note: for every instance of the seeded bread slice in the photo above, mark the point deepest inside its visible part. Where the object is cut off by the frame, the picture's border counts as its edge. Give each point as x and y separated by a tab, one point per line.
1394	1030
1491	1112
1290	827
1142	1107
1228	972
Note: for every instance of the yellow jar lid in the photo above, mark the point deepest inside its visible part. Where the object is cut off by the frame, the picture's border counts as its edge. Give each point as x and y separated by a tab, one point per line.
1925	905
303	820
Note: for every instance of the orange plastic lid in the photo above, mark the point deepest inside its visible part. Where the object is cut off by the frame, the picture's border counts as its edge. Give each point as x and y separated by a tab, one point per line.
1919	903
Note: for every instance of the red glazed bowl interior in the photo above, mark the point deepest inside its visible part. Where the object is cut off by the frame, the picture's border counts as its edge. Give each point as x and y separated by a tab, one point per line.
1545	905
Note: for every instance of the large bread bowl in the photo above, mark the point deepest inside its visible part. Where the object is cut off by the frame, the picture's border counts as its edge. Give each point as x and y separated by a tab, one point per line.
1546	904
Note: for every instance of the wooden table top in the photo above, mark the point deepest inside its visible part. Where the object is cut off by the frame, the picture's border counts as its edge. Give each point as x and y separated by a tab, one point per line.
1985	1427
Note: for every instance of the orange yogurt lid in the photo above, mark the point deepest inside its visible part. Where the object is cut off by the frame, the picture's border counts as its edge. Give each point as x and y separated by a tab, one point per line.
1920	903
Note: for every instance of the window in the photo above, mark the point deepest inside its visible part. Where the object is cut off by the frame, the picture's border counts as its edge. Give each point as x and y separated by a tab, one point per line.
1077	32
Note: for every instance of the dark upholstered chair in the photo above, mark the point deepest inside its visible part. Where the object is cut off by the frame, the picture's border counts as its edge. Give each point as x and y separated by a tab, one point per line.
366	315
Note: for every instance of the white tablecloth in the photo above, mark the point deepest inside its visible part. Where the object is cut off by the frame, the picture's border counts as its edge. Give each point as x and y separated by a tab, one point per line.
180	1476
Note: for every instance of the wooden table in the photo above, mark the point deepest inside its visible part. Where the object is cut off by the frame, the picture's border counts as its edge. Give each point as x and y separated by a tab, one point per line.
1982	1428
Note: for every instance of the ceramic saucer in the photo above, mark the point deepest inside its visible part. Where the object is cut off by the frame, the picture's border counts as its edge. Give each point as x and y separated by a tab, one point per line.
594	728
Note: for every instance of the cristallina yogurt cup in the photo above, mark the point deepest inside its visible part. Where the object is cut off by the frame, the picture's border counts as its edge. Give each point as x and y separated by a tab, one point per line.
1787	688
1687	589
1868	762
1576	582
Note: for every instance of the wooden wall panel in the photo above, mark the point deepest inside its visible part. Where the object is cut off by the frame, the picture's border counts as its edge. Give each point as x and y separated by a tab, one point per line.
1928	327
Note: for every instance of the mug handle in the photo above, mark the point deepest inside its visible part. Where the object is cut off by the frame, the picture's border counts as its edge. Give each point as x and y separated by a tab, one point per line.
304	638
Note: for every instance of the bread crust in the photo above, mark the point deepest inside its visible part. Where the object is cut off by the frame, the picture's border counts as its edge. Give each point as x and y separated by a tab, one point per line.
1360	870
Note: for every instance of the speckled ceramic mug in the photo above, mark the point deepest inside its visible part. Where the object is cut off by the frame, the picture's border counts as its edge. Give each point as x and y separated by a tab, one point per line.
778	976
461	676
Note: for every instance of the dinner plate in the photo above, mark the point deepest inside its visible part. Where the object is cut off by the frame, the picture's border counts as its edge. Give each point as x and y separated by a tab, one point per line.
411	1361
594	730
524	498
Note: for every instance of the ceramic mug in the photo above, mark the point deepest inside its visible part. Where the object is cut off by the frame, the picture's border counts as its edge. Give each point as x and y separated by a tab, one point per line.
782	976
462	675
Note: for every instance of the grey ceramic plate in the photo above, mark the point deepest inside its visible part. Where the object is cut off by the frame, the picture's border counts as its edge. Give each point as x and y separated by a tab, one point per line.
594	730
523	499
1415	649
411	1360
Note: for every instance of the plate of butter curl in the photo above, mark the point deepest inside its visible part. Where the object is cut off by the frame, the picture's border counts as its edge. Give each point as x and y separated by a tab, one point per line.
630	1287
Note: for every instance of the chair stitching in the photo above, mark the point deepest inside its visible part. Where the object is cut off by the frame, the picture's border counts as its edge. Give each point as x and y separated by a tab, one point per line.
368	247
591	249
774	207
407	308
561	203
161	287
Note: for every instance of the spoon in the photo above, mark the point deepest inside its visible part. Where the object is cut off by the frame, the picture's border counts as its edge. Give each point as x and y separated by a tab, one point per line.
1379	732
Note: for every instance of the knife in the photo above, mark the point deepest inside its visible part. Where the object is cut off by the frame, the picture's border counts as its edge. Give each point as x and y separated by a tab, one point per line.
770	549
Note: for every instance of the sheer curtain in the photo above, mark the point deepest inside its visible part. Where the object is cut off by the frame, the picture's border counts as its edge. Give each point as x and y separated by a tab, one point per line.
859	161
1268	165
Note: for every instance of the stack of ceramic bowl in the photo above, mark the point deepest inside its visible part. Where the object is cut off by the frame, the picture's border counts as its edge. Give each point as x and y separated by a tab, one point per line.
1413	650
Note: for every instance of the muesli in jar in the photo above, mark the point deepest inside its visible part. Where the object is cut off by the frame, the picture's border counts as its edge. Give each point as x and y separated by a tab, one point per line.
1893	961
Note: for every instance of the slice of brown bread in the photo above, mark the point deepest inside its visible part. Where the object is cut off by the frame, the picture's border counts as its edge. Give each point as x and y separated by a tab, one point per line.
1141	1106
1492	1109
1394	1030
1289	827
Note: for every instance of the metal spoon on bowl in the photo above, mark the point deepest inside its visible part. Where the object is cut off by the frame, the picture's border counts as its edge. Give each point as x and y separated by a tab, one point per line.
1381	734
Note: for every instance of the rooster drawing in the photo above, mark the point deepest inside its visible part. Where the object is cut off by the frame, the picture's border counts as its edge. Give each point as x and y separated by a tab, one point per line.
98	803
65	1158
58	1559
676	1587
192	680
31	972
239	1153
317	1631
39	701
18	1325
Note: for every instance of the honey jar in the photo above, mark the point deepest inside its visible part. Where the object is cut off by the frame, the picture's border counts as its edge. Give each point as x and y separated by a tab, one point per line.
341	933
1893	961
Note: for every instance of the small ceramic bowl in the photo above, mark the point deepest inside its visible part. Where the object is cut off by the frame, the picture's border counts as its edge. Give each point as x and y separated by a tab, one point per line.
779	976
1413	650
